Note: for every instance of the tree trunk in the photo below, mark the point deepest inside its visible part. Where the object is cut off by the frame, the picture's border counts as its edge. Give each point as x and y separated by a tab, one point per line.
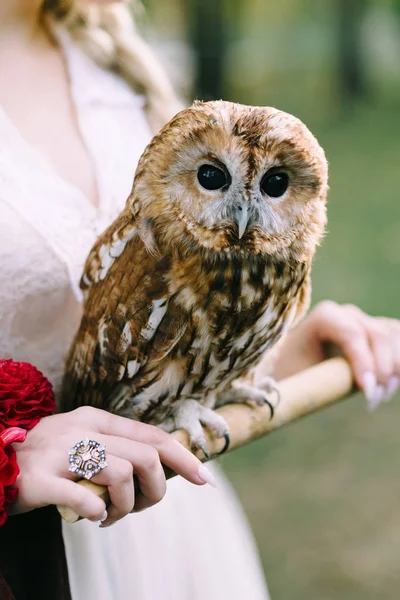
351	68
208	36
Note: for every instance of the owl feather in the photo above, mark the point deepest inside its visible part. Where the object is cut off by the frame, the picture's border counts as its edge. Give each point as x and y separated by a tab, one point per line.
205	269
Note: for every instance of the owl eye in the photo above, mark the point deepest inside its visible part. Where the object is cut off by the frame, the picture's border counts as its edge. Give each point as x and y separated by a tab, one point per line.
212	178
275	185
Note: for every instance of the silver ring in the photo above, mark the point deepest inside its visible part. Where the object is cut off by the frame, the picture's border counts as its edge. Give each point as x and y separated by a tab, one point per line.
87	458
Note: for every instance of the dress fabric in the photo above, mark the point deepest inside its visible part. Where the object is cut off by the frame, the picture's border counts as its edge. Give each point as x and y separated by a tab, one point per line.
195	544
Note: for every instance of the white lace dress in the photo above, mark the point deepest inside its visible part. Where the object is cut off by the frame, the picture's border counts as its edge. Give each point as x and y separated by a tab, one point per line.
195	544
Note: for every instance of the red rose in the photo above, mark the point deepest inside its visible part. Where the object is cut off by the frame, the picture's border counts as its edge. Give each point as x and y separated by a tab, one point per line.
26	395
9	471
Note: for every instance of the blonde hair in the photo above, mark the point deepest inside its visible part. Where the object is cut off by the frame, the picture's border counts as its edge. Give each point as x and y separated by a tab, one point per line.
108	35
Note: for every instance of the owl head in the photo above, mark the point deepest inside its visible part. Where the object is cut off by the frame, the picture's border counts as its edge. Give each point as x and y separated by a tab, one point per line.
229	178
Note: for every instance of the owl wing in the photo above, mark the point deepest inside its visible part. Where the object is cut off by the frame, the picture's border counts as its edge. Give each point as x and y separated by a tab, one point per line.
129	316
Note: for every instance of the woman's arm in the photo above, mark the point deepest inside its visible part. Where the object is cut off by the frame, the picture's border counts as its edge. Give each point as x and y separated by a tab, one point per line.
371	344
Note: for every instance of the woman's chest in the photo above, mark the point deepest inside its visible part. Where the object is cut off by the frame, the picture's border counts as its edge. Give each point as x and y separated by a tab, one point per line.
50	128
34	283
38	310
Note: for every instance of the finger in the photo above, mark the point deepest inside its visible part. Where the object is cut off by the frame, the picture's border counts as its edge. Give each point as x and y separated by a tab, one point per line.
353	340
367	344
395	328
146	465
354	344
393	383
118	477
341	326
383	337
142	502
172	454
62	492
381	344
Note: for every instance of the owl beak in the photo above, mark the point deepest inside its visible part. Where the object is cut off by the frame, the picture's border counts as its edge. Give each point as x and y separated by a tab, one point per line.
241	218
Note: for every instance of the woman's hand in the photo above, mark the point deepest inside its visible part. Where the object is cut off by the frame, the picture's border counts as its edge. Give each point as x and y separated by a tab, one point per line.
371	345
131	447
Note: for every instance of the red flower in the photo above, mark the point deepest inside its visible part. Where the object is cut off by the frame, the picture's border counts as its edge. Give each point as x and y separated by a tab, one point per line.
26	395
9	471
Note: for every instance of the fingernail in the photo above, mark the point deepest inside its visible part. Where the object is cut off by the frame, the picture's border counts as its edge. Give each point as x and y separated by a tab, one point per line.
369	387
377	397
206	476
392	387
103	525
103	516
373	392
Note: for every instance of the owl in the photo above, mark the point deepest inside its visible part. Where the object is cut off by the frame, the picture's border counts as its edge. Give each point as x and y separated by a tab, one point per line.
205	269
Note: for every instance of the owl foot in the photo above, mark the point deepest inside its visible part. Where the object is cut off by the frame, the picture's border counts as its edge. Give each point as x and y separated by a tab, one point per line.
191	415
269	385
244	393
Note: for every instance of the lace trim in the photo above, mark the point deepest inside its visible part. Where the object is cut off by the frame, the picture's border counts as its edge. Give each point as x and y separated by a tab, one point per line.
59	211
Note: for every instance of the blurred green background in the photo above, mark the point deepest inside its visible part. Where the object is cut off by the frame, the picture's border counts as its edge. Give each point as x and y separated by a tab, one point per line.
323	496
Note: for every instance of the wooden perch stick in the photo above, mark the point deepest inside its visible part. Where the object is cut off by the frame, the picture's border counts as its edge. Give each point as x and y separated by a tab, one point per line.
302	394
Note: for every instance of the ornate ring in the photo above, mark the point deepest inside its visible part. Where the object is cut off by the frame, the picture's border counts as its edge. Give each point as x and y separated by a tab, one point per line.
87	458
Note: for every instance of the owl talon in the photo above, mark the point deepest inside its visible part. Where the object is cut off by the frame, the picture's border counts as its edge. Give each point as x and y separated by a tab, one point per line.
191	415
244	393
202	446
269	385
227	444
271	408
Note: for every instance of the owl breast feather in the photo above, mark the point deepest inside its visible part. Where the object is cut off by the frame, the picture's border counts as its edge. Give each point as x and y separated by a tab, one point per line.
211	327
159	328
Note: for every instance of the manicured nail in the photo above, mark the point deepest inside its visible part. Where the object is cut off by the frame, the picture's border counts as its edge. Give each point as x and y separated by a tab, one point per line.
369	386
392	387
103	516
379	394
103	525
373	392
206	476
377	398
